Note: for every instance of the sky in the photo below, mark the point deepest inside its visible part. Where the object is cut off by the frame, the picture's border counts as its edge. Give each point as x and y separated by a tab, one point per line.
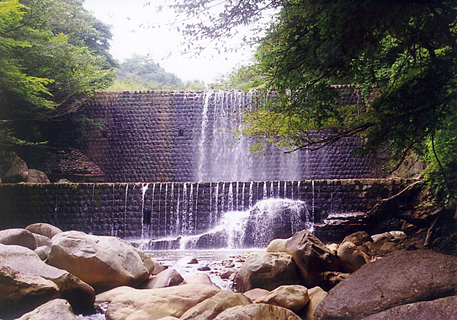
139	28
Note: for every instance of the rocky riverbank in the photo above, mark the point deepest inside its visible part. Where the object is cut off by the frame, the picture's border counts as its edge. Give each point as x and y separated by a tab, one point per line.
46	273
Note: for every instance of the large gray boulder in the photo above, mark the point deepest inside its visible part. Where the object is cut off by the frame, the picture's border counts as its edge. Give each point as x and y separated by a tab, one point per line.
401	278
211	307
266	270
129	303
19	237
444	308
57	309
27	282
311	256
258	311
101	261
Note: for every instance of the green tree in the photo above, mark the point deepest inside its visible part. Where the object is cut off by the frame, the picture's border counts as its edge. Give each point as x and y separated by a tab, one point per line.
142	73
53	57
400	55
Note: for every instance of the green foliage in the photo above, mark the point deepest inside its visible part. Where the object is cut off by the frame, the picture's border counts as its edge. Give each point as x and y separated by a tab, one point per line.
400	55
241	78
141	73
53	56
441	150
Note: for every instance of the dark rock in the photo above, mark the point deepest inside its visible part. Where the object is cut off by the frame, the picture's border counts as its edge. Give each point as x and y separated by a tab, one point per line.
336	226
444	308
204	268
36	176
400	278
164	244
311	256
12	168
215	240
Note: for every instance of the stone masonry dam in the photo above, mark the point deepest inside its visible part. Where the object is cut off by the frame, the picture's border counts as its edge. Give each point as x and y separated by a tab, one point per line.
173	165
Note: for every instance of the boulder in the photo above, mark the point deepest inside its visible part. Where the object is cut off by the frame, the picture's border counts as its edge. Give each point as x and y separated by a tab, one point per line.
266	270
167	278
277	245
158	267
187	260
351	258
43	252
400	278
198	278
101	261
258	311
27	282
358	238
19	237
316	295
311	256
398	235
44	229
57	309
332	278
36	176
211	307
332	247
42	240
130	303
388	246
148	262
444	308
12	168
292	297
256	293
379	240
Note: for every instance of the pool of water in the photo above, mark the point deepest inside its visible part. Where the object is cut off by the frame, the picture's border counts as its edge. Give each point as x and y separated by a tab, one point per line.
215	262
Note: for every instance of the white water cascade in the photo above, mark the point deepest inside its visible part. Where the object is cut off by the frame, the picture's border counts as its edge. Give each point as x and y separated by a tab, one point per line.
223	153
254	228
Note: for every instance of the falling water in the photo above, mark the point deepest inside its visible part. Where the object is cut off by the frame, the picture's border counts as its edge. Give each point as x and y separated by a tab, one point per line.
144	188
223	154
252	228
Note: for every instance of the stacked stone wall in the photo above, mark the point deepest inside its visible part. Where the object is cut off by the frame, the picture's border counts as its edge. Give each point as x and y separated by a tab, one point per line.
155	136
139	210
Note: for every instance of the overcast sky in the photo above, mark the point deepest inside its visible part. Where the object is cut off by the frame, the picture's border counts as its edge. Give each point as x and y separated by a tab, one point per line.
137	27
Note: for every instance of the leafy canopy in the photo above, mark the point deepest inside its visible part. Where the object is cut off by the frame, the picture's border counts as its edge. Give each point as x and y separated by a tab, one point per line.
400	55
53	56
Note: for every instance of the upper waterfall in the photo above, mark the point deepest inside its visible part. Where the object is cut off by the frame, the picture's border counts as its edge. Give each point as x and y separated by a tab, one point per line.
223	153
165	136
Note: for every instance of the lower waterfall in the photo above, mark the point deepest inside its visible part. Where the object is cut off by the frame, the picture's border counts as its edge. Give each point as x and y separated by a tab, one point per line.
253	228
